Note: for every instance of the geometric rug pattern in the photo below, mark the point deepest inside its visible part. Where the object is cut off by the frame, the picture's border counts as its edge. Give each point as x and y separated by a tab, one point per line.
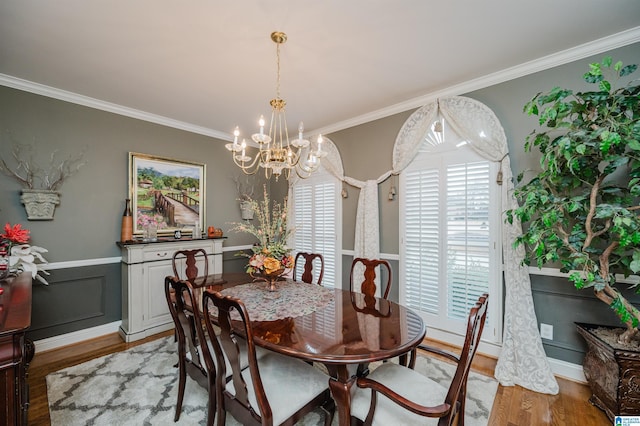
139	387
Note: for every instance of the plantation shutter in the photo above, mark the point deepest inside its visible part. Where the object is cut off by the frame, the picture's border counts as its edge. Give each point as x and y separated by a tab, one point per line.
467	236
325	229
315	217
303	219
422	255
447	251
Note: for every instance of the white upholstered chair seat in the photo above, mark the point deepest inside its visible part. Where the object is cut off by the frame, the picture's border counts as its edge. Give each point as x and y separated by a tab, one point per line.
289	384
406	382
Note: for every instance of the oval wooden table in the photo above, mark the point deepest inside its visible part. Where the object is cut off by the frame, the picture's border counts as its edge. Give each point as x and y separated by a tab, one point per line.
334	327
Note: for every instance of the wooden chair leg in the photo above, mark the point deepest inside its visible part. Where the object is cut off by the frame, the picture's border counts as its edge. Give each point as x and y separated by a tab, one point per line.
182	373
211	414
463	396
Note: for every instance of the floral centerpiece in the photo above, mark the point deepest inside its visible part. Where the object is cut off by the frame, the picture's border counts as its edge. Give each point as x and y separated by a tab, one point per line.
270	256
17	256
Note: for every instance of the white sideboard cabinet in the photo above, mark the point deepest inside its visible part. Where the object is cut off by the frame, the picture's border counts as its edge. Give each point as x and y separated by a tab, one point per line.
144	268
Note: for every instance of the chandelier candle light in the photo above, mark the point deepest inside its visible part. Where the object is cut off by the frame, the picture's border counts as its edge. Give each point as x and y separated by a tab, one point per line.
275	154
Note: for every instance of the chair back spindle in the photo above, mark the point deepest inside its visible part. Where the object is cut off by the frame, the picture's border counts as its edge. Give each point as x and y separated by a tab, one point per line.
307	272
368	285
191	270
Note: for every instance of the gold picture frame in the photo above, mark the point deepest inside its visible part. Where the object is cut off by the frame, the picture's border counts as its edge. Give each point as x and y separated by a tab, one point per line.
168	192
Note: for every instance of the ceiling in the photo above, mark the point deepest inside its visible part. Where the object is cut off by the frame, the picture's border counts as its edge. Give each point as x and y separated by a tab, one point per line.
207	66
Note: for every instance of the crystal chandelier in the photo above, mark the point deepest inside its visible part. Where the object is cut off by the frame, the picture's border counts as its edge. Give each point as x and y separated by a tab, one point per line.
275	154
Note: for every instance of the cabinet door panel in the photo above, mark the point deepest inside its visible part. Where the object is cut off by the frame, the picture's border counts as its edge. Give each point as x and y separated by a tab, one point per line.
157	308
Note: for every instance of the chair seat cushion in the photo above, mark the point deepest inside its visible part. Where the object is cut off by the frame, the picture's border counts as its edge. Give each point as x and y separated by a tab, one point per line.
406	382
289	384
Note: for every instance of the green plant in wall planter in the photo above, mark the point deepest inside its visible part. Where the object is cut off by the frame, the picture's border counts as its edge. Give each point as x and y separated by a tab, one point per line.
40	194
582	209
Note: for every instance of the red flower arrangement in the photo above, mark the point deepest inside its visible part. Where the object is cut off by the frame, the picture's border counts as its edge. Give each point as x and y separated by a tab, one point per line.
15	234
17	256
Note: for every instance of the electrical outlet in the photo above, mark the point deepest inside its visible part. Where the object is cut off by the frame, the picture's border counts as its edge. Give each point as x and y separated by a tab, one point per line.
546	331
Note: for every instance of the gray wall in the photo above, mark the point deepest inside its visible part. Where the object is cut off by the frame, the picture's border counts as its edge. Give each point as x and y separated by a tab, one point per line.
367	152
87	223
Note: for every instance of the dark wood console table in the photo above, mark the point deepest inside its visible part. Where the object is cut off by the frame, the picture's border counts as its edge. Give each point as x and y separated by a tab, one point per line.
16	351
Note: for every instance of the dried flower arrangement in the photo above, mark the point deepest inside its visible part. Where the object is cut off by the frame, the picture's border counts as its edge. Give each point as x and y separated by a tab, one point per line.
32	176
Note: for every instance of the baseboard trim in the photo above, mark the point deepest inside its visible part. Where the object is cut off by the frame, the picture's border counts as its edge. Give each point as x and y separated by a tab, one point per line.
485	348
567	370
76	337
559	368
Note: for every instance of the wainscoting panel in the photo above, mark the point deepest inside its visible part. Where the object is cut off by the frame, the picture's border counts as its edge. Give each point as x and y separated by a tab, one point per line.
87	294
558	303
234	261
75	299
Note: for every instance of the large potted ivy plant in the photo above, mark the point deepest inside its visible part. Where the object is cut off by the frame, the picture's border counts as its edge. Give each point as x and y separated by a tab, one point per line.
582	211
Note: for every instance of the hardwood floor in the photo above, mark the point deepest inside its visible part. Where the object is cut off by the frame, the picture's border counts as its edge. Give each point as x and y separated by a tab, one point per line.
514	405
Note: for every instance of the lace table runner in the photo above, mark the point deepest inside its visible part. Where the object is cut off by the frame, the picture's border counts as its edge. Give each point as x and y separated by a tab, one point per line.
292	299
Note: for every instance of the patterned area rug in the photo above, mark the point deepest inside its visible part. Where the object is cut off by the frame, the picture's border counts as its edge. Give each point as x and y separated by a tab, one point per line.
139	387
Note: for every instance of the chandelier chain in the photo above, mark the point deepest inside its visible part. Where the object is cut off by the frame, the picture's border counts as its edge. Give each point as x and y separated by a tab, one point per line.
278	71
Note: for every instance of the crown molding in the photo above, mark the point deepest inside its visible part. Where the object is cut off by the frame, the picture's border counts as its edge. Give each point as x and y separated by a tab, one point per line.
614	41
582	51
63	95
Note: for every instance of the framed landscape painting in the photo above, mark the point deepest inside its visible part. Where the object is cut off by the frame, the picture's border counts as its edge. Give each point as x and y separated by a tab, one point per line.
166	193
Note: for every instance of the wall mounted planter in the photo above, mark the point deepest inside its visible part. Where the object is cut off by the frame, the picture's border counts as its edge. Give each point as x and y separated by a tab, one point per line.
246	212
40	204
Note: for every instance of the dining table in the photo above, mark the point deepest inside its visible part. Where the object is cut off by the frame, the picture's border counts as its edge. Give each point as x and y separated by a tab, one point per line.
337	328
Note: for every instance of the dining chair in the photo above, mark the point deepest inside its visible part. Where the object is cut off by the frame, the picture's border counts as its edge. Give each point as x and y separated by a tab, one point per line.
274	389
368	286
179	299
412	398
307	273
195	354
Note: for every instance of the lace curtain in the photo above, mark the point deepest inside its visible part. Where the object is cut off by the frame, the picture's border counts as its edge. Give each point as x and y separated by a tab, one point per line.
522	360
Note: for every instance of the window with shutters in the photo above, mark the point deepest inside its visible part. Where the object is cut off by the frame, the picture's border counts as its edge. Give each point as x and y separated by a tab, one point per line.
450	234
316	212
